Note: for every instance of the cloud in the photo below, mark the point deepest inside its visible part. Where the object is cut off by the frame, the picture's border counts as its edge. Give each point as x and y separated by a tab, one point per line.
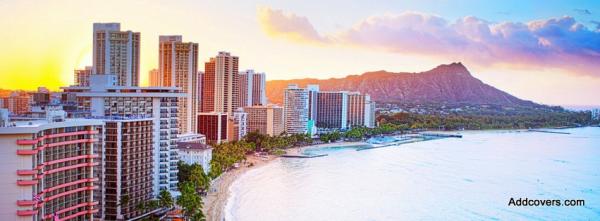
597	23
551	43
287	25
582	11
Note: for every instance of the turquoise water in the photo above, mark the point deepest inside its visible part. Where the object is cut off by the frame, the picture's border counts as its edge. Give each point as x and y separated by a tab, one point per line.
472	178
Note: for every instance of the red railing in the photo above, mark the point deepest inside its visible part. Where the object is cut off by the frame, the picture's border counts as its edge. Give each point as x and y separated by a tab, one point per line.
27	152
25	202
69	184
70	192
70	167
47	216
34	141
26	172
26	182
71	158
26	212
79	214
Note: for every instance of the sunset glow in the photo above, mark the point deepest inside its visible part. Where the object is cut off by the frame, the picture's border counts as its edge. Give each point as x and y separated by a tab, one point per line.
523	50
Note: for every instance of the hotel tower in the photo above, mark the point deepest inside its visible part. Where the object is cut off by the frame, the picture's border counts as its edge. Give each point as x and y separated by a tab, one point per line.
116	52
178	67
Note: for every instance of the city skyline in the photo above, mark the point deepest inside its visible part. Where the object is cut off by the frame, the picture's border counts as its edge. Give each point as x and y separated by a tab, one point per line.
44	50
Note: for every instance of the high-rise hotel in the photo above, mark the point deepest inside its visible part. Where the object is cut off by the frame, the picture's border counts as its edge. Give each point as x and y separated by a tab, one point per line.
332	109
360	110
116	52
220	84
220	100
48	167
127	167
252	90
102	99
178	67
295	107
266	119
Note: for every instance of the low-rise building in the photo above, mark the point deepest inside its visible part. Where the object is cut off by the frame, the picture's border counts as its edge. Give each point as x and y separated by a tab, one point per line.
214	125
195	153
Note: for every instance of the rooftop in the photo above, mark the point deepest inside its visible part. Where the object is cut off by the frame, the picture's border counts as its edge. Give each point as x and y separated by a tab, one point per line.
36	124
192	146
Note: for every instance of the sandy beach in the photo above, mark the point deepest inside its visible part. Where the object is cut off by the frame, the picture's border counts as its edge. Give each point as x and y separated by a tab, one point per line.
217	197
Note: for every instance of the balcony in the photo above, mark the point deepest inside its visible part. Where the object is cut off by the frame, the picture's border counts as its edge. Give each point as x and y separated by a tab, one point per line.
26	152
27	182
25	202
26	212
26	142
26	172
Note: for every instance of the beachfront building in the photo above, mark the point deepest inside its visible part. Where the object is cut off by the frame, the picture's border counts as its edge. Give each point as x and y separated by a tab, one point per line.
360	110
82	76
265	119
296	115
370	114
117	53
48	168
214	125
220	84
127	167
238	125
332	110
103	99
178	67
252	90
313	90
195	153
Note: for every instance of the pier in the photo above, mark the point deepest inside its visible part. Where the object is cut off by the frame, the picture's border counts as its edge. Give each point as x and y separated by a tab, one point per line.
441	135
302	155
547	131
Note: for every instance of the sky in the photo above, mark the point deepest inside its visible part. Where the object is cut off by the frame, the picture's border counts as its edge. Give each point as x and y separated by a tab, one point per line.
544	51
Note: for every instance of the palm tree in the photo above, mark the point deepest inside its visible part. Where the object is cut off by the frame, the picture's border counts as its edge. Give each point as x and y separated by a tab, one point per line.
190	202
165	199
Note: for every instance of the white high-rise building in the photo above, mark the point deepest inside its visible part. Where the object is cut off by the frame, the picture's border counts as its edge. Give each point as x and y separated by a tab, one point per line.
252	88
296	119
160	104
178	67
116	52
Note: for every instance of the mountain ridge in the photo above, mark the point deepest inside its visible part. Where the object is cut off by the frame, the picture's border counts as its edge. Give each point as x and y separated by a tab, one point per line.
446	83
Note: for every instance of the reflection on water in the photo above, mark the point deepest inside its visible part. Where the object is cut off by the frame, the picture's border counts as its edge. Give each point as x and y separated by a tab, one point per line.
472	178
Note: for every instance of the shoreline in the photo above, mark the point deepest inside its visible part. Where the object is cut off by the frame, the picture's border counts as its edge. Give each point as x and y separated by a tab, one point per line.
218	194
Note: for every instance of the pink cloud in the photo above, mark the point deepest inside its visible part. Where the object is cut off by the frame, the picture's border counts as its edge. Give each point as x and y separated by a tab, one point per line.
551	43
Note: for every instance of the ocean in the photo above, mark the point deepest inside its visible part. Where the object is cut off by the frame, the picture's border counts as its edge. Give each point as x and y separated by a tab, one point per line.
469	178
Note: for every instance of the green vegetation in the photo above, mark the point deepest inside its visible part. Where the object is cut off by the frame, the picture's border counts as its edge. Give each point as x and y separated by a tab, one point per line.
193	173
165	199
190	202
225	155
193	182
480	122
